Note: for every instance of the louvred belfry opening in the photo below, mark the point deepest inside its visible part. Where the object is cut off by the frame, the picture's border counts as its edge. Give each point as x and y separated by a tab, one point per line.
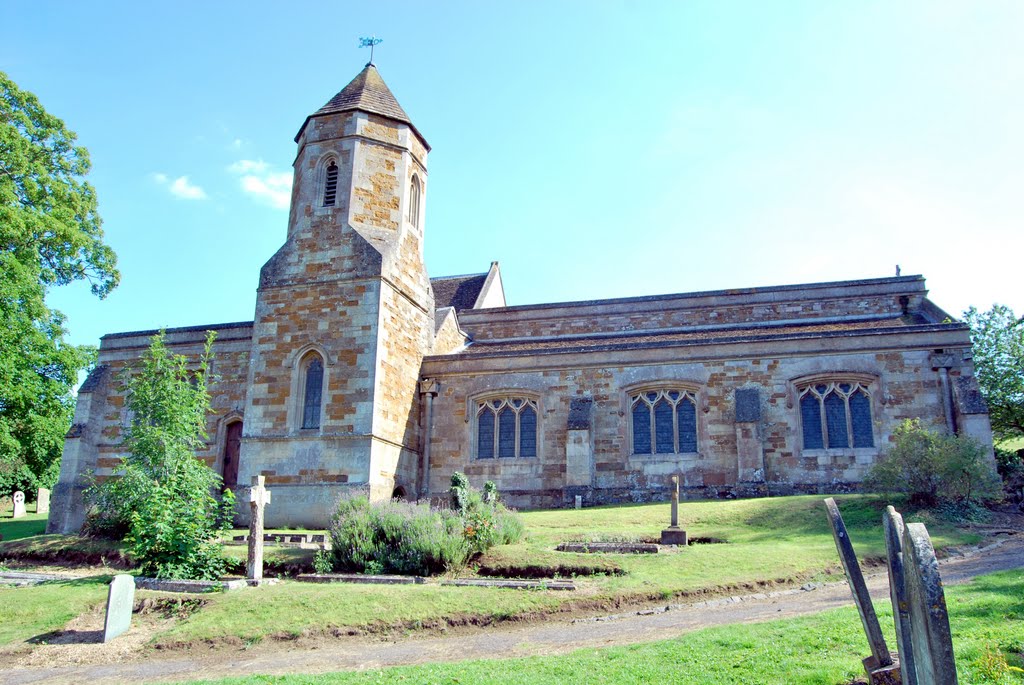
331	186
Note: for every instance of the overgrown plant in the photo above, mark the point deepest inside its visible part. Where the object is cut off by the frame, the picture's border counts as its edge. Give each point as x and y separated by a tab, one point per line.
164	495
487	522
933	467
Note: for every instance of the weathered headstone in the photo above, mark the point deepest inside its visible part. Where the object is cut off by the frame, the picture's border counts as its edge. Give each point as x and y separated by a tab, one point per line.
674	535
120	600
19	504
259	498
43	501
880	659
893	524
930	638
579	501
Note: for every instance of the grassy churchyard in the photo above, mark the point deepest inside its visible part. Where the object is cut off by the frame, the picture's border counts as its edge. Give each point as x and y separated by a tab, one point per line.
760	544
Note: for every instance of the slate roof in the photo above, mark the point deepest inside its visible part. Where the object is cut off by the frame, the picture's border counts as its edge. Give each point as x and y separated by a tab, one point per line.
699	336
367	92
460	292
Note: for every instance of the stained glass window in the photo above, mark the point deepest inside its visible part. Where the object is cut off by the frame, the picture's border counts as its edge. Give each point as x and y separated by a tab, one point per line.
664	422
506	427
313	392
836	415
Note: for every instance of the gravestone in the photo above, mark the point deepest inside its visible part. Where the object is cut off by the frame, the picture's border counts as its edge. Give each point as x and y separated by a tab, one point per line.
892	521
674	535
120	600
879	665
19	504
579	501
930	640
43	501
259	498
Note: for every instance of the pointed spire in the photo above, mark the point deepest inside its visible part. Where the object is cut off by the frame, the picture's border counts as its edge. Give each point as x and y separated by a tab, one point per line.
367	92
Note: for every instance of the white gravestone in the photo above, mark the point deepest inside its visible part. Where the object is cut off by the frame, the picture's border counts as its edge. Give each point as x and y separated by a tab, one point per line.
259	498
120	600
19	504
43	501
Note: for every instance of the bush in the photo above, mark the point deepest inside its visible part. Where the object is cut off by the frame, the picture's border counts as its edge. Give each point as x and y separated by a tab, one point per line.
396	537
933	467
1010	464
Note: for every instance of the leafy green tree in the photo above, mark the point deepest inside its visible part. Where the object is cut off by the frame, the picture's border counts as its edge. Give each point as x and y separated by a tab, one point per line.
934	467
49	236
165	493
998	337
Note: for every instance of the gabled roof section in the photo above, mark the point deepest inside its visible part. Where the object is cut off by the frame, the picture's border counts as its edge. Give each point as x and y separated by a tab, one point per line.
367	92
459	292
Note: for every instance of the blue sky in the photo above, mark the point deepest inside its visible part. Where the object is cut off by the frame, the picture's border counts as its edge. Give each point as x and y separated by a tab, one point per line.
596	149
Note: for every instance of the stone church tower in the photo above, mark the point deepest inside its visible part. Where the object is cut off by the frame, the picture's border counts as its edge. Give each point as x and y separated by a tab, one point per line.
344	312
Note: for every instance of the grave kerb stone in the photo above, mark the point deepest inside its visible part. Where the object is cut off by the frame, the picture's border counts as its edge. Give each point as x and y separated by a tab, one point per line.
120	601
892	522
19	505
931	640
859	590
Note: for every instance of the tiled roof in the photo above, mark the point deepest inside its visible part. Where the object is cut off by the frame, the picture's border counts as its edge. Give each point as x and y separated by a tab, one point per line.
460	292
719	335
367	92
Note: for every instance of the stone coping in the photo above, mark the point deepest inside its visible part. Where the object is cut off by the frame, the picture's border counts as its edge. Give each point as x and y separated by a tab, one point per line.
608	547
199	586
513	584
359	578
22	578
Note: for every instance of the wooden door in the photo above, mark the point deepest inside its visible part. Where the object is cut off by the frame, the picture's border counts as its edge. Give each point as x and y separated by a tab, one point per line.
232	448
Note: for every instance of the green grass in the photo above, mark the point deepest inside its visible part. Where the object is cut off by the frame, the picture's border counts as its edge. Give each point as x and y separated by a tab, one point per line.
1012	444
769	540
30	612
987	617
16	529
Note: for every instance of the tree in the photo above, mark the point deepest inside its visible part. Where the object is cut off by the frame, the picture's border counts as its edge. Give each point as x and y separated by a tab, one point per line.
164	492
998	337
49	236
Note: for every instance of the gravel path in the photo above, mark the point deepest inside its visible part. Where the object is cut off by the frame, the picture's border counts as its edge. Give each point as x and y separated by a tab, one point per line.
554	637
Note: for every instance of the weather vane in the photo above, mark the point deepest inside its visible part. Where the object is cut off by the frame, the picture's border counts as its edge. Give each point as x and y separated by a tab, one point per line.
369	43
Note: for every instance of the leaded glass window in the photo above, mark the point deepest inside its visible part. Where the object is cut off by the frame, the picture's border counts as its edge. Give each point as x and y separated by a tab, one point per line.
314	383
664	422
836	415
506	428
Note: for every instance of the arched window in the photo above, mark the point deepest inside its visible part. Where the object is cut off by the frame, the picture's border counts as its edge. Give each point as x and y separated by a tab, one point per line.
664	422
414	201
314	382
836	415
331	184
506	427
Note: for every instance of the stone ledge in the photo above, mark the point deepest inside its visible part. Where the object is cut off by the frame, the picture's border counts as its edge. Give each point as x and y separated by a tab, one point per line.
608	547
359	578
200	586
513	584
22	578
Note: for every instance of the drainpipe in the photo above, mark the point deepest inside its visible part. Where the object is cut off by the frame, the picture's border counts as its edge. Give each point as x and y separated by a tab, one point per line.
428	389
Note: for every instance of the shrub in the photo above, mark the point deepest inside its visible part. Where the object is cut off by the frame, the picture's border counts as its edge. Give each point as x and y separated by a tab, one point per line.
396	537
1010	464
933	467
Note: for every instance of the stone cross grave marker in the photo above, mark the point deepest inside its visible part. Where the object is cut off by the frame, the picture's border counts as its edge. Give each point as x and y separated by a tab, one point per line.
259	498
892	521
43	501
19	504
674	535
880	657
930	640
120	600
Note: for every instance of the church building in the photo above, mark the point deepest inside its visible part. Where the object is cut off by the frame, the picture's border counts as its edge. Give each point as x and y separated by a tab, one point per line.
361	374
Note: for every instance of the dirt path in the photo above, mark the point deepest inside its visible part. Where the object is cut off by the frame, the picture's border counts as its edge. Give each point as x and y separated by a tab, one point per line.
555	637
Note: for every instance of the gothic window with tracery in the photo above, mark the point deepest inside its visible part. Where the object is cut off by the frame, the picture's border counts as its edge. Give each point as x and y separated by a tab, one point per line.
414	201
506	427
313	391
331	184
836	415
664	422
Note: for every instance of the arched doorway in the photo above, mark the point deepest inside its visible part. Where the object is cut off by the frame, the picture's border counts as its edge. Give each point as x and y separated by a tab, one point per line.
398	493
232	448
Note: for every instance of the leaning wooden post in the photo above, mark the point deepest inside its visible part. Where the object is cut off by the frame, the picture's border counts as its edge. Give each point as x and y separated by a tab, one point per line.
259	498
879	665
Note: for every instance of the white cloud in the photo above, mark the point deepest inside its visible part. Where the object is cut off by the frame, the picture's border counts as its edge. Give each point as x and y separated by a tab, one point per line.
259	180
181	187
